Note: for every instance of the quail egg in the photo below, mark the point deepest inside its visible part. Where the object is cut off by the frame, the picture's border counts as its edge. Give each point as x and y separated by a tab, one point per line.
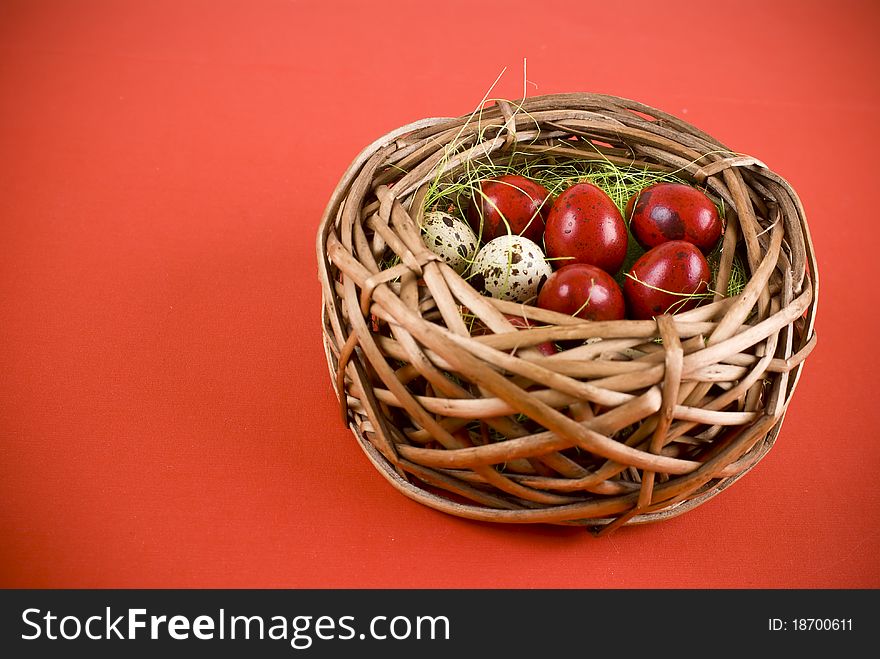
510	267
450	238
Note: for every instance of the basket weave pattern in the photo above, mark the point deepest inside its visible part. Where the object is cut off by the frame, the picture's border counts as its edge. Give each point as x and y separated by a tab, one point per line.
638	420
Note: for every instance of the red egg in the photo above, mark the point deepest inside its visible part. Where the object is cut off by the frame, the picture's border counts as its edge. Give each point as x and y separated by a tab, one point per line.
673	211
666	279
512	201
584	226
480	329
547	348
583	290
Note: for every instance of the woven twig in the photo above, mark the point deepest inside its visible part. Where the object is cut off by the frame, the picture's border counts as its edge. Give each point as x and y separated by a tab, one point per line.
641	421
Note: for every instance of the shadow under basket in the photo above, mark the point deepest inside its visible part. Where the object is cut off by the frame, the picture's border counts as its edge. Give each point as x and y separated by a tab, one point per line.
635	420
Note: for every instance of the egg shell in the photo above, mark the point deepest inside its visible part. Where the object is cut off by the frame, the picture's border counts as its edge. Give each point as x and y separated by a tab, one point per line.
510	267
665	279
548	348
585	291
673	211
585	226
450	238
510	200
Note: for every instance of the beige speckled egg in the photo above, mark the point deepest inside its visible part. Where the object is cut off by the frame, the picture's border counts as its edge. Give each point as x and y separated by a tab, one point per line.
510	267
450	238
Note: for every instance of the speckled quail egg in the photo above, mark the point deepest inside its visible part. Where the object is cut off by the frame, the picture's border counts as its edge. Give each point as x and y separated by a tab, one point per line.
510	267
450	238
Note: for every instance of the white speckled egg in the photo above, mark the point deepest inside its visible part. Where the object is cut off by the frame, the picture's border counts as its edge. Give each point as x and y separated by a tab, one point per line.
510	267
450	238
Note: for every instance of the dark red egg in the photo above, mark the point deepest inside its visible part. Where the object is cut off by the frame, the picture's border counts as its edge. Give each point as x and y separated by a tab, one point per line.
509	204
583	290
668	278
547	348
584	226
673	211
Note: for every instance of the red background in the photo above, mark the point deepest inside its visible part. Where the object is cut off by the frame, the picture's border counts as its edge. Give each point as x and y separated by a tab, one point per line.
166	414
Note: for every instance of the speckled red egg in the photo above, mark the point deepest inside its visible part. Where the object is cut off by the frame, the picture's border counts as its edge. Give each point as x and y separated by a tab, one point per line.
673	211
583	290
584	226
667	278
546	348
512	201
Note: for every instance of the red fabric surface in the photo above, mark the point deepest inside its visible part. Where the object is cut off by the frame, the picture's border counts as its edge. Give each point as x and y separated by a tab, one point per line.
166	413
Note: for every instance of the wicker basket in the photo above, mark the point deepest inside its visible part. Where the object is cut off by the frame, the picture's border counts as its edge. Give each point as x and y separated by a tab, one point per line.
643	420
